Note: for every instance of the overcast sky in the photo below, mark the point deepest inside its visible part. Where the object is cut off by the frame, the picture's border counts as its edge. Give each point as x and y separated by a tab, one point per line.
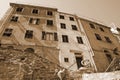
104	11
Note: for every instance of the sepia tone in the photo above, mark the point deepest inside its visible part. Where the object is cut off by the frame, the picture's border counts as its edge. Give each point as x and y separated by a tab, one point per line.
41	43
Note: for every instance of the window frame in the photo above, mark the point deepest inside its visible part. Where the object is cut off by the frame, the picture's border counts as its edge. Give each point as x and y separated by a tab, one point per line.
50	23
66	59
61	16
71	19
35	11
50	13
63	25
92	25
29	34
19	9
80	40
65	38
74	27
7	32
98	37
108	39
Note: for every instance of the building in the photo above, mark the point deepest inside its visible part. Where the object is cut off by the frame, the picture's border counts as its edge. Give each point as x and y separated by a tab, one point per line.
29	29
103	43
73	43
41	40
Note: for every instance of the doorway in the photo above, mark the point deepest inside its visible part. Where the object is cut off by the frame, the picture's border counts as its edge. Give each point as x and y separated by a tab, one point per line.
78	61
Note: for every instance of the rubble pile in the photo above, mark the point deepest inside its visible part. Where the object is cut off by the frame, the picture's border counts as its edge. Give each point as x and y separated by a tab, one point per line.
19	65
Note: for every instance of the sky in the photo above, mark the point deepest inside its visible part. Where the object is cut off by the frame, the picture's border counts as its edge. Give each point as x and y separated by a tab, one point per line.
106	12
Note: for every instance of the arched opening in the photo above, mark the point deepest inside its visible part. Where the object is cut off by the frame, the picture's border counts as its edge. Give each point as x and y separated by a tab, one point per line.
31	50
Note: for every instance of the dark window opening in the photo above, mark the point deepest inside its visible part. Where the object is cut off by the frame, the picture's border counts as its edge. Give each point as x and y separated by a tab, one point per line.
50	13
35	11
14	18
92	26
115	51
50	22
63	26
101	29
98	37
65	38
19	9
78	60
74	27
109	57
29	34
79	39
71	18
31	50
7	32
55	37
62	17
66	60
108	39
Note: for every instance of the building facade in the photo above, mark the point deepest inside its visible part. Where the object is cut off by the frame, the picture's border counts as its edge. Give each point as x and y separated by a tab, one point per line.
104	44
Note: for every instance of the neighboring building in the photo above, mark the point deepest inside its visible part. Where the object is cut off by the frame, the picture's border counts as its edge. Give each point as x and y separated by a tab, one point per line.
103	43
73	44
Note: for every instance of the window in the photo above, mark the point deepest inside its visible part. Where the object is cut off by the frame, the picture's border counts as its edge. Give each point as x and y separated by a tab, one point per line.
63	26
109	57
62	17
74	27
29	34
50	22
19	9
49	36
7	32
71	18
35	11
101	29
14	18
49	13
108	39
79	39
34	21
55	36
65	38
66	60
92	26
98	37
